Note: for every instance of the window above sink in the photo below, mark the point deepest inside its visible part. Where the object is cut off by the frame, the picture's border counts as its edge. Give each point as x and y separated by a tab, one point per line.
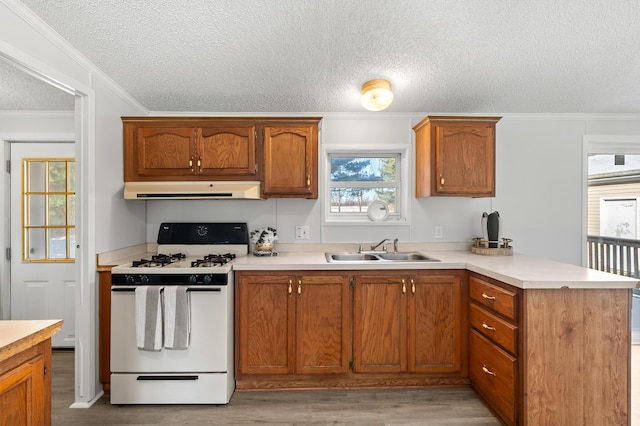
356	179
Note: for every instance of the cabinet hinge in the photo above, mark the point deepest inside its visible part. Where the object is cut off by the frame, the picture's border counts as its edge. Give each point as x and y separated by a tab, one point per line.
7	253
255	134
351	365
8	166
352	283
45	370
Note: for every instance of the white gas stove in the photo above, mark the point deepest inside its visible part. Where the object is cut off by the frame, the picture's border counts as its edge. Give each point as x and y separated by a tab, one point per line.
198	256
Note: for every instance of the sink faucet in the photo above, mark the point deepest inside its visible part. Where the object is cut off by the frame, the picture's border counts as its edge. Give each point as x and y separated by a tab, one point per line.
384	247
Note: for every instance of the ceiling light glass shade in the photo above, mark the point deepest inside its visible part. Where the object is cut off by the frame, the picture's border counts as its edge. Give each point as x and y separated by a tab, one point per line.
376	95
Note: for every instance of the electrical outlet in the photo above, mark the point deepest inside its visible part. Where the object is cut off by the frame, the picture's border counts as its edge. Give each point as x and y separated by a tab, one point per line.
439	231
302	232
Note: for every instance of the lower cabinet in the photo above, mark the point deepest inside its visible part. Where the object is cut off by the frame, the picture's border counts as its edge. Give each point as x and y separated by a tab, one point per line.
409	323
292	324
494	315
387	328
22	394
550	356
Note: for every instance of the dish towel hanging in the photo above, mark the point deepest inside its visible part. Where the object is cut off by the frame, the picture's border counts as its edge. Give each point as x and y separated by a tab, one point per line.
177	317
149	318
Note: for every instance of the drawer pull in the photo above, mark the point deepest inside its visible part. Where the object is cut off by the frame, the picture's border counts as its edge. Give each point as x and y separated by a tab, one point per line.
488	327
486	370
486	296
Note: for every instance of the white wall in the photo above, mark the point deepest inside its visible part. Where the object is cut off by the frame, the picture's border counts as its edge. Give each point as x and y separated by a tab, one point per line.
118	223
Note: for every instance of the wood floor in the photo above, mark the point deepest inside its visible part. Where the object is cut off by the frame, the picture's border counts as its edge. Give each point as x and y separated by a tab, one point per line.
336	407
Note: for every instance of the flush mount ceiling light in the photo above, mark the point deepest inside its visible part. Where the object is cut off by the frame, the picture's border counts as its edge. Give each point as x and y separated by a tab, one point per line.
376	95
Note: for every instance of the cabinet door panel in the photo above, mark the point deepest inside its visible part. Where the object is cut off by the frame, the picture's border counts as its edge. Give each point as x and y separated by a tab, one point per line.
266	325
227	150
165	151
380	312
22	393
466	158
322	324
435	330
290	157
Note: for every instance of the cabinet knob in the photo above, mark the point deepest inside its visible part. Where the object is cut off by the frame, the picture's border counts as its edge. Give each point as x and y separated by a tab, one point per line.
441	180
191	163
200	163
290	287
299	287
308	181
413	287
404	287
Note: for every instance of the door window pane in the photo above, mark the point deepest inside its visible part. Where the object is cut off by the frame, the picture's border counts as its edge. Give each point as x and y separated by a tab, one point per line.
36	174
34	244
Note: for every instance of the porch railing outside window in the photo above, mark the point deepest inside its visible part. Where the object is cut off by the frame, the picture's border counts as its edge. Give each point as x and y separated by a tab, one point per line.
614	255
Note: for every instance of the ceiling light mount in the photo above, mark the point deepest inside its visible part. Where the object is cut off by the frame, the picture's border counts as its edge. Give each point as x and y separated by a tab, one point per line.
376	95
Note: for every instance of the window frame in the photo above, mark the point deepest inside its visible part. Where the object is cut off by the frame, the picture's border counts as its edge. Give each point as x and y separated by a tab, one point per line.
400	217
25	224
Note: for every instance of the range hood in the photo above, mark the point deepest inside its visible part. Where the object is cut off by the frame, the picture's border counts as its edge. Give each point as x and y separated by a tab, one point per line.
192	190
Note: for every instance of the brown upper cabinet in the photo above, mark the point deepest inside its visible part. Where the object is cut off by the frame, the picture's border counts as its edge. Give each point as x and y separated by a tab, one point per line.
455	156
280	152
291	160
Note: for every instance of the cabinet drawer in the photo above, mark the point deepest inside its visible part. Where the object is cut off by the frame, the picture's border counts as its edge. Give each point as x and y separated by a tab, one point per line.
493	297
493	373
500	331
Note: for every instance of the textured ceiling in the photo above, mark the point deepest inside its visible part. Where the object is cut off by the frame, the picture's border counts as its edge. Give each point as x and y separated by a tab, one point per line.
20	91
464	56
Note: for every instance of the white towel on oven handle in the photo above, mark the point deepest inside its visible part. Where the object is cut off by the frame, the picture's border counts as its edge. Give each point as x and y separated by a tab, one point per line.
177	317
149	318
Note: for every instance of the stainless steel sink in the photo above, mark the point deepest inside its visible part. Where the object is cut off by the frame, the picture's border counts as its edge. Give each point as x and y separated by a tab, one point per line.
406	257
350	257
379	257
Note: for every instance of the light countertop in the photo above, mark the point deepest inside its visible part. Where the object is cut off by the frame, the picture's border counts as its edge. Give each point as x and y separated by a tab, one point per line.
520	271
19	335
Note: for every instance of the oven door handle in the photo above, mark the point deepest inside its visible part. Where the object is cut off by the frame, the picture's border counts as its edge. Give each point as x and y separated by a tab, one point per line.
161	377
191	289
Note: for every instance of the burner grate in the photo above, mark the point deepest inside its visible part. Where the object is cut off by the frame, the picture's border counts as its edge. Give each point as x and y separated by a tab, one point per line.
213	260
157	260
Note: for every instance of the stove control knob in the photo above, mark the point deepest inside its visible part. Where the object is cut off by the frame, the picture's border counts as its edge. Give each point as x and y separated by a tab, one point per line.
144	279
207	279
193	279
129	279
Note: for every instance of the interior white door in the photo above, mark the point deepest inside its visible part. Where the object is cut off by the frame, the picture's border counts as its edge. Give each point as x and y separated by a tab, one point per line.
39	290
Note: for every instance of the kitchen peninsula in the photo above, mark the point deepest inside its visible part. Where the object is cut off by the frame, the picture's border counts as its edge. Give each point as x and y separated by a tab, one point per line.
542	342
25	371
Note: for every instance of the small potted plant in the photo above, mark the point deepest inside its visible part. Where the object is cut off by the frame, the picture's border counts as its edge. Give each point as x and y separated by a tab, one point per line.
264	239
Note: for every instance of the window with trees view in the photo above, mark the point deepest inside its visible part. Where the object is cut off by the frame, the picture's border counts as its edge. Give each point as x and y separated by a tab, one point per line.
355	181
48	210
